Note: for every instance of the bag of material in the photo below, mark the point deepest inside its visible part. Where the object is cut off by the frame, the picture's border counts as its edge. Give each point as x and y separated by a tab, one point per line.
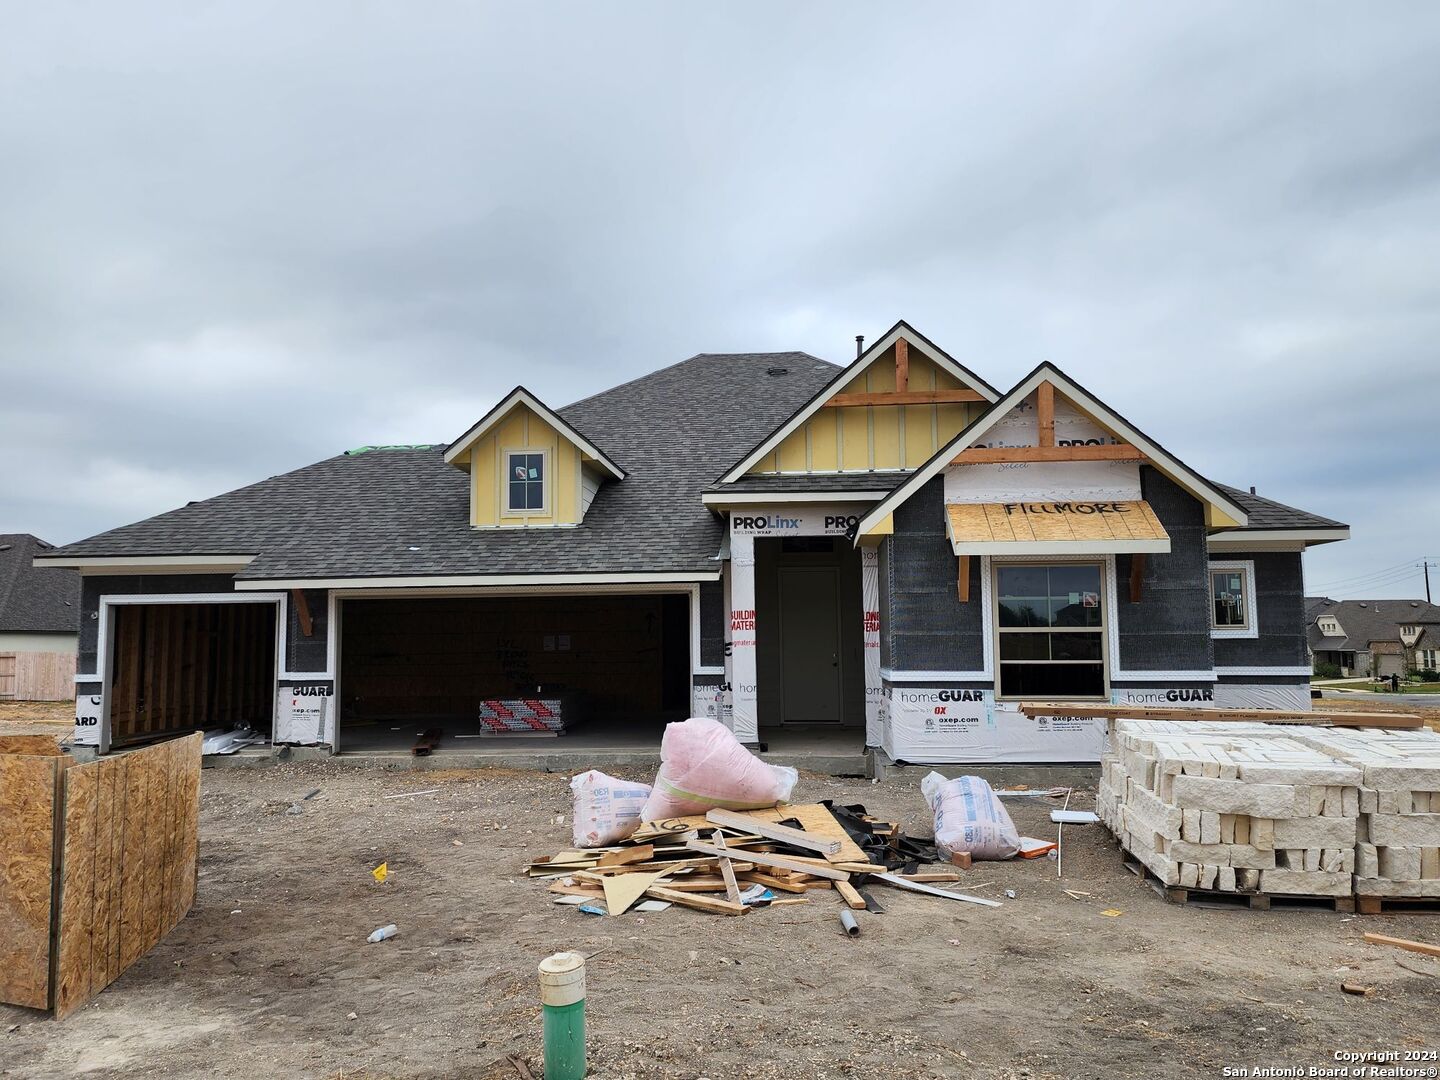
969	817
606	810
703	765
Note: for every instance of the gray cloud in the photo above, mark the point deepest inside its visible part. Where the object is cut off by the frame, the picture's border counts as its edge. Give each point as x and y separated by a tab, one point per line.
239	238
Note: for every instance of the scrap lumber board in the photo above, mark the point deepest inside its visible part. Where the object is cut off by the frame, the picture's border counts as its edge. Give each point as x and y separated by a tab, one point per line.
849	895
828	846
428	742
1319	718
700	903
1404	943
621	856
757	878
785	862
727	871
814	819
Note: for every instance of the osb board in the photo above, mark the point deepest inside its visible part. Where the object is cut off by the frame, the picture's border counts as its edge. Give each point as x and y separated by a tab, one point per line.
34	745
1024	522
813	818
129	860
28	791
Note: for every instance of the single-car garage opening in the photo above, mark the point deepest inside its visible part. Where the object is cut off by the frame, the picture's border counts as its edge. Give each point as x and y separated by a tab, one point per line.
191	667
456	671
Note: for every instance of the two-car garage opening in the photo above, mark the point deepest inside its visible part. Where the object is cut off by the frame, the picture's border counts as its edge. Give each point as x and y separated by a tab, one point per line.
462	670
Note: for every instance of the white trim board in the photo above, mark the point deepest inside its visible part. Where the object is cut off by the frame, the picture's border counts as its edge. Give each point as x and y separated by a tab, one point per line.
914	340
785	498
1293	669
367	585
1254	539
170	564
1087	403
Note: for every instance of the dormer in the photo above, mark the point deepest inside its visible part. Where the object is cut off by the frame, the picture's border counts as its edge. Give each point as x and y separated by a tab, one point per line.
528	467
1329	626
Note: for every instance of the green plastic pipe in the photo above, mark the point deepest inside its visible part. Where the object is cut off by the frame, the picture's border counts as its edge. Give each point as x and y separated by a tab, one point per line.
562	997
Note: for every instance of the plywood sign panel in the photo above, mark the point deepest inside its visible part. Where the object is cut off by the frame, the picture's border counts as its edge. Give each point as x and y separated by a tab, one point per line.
989	528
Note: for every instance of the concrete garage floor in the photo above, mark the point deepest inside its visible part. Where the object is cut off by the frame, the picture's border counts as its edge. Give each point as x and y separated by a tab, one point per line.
270	974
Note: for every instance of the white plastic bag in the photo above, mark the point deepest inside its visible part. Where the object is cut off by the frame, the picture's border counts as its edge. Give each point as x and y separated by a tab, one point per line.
969	817
606	809
703	765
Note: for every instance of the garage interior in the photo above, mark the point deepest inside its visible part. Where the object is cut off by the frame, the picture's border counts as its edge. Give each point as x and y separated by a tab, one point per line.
191	667
413	667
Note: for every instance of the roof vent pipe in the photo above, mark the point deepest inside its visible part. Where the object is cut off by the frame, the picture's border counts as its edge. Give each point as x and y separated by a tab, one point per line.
1252	489
859	345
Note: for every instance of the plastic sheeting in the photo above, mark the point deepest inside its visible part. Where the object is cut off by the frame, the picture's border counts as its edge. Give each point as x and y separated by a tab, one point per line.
870	599
942	726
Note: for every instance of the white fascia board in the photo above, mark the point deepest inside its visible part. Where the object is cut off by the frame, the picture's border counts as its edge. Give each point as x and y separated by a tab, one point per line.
153	564
521	396
477	580
1167	464
785	498
1071	548
1251	539
868	357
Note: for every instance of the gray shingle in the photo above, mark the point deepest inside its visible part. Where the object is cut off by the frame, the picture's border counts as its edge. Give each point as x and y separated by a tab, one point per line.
1364	621
779	485
1268	514
34	600
360	515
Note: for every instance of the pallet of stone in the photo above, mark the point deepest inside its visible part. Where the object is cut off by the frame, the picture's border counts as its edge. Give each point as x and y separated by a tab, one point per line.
1257	901
1397	853
1219	808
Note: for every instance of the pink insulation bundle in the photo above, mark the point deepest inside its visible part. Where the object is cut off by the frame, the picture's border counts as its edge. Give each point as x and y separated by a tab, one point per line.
703	765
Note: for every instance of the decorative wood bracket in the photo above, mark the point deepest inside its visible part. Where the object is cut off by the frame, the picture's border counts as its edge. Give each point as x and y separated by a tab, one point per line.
902	365
962	579
302	612
1137	575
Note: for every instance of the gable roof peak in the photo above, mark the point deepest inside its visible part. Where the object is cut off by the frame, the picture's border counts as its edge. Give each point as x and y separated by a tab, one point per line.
520	396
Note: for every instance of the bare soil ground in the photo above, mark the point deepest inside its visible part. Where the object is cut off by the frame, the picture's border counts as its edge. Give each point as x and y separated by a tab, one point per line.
35	717
264	975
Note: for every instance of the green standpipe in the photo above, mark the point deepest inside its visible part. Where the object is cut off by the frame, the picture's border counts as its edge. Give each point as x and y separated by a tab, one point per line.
562	995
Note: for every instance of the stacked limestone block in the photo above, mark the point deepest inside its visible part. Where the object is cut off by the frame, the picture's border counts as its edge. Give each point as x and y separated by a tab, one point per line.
1398	847
1217	806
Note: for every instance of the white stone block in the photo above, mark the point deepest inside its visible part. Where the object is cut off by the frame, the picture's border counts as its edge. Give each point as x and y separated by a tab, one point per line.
1315	832
1303	883
1369	801
1222	855
1351	802
1189	875
1209	827
1225	882
1239	797
1262	832
1385	887
1315	770
1430	863
1367	860
1189	825
1400	863
1209	874
1405	830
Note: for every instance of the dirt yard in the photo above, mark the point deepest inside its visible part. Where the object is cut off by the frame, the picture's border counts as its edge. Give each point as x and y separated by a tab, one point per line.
270	974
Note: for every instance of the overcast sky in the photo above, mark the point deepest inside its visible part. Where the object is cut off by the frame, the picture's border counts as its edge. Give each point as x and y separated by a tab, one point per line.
238	238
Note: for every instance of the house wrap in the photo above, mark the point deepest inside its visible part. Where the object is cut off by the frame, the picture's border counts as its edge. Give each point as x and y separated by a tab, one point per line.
891	554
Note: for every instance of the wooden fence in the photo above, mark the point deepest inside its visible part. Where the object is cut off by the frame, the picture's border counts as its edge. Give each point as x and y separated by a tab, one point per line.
37	676
97	863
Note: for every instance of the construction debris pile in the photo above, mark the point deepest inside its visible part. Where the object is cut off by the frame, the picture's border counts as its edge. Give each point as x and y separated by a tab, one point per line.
730	862
1294	810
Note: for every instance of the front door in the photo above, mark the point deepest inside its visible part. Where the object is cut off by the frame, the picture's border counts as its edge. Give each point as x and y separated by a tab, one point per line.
809	639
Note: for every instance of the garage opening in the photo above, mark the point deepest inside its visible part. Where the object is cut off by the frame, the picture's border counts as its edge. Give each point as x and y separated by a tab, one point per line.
191	667
459	670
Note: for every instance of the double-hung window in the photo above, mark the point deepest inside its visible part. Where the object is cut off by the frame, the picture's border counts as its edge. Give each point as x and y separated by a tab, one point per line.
525	482
1232	599
1051	628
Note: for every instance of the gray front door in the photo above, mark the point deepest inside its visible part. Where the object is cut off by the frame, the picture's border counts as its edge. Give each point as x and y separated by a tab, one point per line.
809	644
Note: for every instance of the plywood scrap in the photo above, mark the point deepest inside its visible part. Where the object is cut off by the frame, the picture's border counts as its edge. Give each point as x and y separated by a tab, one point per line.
621	856
783	861
733	819
622	890
692	900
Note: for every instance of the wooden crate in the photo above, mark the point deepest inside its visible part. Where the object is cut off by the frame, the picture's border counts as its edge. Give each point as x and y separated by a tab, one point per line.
99	862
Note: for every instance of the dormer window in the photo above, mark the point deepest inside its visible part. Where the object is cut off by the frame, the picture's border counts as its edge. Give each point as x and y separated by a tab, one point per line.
525	472
1329	627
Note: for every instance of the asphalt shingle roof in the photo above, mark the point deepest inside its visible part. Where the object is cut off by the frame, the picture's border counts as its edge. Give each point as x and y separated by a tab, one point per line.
1364	621
1268	514
780	485
34	600
404	512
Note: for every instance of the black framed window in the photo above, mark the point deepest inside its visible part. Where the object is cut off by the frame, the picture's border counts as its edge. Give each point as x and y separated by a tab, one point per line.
525	472
1050	625
1231	605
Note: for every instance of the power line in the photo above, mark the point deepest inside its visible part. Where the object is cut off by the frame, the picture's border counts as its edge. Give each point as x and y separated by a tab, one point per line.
1365	586
1400	569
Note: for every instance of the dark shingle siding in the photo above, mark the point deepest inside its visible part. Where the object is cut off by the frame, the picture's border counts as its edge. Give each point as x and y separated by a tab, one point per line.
35	600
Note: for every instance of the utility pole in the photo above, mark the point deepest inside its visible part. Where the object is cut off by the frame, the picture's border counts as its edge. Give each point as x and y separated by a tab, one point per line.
1425	566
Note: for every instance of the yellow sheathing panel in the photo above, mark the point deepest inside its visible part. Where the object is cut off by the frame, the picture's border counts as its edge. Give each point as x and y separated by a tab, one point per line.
919	434
950	420
824	442
1216	518
884	527
887	437
483	504
790	455
882	373
945	381
855	433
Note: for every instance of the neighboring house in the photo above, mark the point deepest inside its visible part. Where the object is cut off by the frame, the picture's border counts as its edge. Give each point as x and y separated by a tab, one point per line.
1374	637
39	623
894	552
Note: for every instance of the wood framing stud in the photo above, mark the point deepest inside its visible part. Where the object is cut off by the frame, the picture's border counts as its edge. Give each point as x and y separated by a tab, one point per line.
962	579
908	397
995	455
302	612
1045	412
1137	575
902	365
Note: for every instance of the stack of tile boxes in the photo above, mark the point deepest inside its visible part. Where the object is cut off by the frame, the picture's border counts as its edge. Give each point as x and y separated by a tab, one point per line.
1211	806
1382	837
